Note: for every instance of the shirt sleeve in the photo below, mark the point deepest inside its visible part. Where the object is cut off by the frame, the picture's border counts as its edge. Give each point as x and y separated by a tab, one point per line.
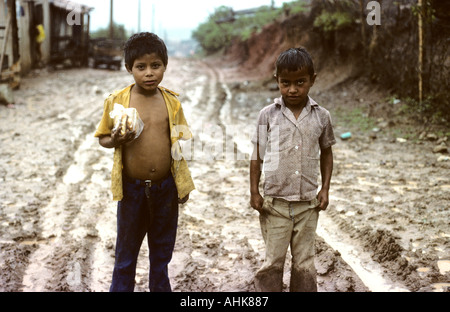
327	137
106	123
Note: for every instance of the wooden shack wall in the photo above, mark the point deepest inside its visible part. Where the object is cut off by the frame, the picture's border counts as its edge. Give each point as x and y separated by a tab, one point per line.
25	28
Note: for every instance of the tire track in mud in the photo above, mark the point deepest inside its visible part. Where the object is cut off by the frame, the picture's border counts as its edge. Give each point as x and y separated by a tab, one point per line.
212	252
62	260
381	248
28	225
357	257
54	236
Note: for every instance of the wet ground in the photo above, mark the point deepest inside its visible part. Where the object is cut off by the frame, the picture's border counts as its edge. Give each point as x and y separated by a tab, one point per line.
386	229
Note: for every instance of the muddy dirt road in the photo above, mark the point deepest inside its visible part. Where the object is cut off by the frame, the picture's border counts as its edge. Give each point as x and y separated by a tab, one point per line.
387	227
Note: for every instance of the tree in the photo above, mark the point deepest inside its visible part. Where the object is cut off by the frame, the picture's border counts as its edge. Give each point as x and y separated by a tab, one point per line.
214	35
119	32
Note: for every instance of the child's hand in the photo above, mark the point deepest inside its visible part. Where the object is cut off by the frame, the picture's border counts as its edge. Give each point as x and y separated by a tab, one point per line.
256	201
323	199
183	200
119	139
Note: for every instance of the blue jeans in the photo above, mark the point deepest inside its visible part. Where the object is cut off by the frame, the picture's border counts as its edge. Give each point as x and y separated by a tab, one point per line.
145	210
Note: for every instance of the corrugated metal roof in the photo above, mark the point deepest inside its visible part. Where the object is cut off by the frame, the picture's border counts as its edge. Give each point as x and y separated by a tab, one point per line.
72	6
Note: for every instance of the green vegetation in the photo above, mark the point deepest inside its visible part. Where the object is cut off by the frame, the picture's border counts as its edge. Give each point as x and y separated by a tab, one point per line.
223	26
355	118
329	22
119	32
213	36
429	110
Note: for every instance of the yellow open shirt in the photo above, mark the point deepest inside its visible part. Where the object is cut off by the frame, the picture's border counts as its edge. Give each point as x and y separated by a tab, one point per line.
180	170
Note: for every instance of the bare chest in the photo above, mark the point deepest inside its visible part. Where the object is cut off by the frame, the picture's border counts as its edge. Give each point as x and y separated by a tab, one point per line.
153	112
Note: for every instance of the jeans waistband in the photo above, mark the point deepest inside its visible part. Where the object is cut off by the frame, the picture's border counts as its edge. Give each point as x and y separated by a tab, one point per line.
147	182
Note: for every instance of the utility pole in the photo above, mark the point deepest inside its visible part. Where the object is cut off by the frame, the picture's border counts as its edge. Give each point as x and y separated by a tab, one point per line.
420	61
111	22
139	17
153	18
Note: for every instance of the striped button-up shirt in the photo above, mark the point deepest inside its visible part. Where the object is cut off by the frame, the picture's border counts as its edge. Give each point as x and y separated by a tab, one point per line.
290	149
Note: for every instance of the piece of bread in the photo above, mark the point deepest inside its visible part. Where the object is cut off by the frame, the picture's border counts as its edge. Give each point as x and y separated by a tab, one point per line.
131	122
123	130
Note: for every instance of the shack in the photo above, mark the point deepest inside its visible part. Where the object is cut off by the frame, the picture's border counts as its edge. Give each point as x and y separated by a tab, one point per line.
36	33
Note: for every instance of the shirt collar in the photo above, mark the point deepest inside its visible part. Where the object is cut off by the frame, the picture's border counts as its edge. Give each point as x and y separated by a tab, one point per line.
311	103
279	102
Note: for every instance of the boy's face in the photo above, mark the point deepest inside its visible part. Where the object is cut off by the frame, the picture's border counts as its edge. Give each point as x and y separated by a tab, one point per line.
148	72
294	86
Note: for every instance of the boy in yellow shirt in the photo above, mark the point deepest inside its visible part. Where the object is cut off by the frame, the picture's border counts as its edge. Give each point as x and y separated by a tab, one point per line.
149	177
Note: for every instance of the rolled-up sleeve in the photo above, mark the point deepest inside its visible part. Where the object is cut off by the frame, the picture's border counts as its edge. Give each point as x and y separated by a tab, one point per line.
327	137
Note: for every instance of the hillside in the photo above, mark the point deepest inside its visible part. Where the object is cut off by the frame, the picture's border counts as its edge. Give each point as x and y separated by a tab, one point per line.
346	49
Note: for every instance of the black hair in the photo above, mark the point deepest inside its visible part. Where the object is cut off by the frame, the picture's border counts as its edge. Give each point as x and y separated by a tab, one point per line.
294	59
144	43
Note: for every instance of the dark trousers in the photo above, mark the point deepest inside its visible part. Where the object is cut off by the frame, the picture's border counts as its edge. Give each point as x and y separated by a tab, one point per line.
145	210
